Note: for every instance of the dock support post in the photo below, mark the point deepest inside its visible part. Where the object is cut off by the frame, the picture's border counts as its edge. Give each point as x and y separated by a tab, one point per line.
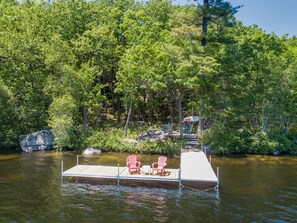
210	159
179	180
203	148
118	175
218	176
62	171
77	160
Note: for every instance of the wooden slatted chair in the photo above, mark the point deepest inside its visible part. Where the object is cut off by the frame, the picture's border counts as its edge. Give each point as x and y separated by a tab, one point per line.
133	164
159	166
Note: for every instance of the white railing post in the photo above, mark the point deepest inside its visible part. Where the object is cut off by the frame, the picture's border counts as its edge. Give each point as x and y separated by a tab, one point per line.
118	175
202	146
62	171
218	176
77	160
179	179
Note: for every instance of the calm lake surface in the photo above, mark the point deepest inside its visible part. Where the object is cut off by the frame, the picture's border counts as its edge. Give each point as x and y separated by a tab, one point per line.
253	189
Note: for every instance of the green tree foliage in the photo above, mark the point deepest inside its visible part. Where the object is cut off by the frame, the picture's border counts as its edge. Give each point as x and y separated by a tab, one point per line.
7	116
254	91
62	113
73	66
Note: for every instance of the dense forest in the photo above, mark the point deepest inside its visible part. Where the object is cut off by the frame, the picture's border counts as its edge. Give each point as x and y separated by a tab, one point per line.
86	69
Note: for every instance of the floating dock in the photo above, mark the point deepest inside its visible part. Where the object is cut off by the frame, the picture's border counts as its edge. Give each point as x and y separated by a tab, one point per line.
195	172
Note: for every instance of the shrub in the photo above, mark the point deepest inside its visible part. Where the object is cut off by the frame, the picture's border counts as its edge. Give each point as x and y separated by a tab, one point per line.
112	139
284	145
261	143
223	140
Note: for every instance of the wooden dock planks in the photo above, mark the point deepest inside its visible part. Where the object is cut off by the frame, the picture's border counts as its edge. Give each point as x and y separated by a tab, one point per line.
112	172
94	171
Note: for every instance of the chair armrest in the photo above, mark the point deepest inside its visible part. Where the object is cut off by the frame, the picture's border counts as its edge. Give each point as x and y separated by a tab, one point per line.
163	165
153	164
138	163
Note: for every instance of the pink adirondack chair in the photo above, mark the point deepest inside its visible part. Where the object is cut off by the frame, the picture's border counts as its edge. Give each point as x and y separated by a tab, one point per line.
159	166
133	164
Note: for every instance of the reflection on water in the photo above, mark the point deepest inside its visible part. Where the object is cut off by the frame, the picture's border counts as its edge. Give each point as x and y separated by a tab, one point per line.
8	157
151	200
138	204
252	189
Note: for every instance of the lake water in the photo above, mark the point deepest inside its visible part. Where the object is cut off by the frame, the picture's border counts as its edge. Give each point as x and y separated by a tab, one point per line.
252	189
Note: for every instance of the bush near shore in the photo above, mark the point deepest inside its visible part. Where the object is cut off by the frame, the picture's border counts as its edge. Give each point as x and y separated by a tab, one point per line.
226	141
112	139
222	141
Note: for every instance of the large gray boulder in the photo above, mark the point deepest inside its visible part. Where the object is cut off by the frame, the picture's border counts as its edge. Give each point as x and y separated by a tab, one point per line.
37	141
90	151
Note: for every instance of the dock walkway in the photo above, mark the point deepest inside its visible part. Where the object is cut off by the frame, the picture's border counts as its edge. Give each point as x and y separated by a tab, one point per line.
195	172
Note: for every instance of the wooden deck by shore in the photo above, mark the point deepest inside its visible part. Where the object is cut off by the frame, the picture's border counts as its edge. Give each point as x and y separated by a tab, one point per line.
195	172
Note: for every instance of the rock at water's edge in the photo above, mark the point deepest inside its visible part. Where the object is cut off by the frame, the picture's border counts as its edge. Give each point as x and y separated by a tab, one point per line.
91	151
40	140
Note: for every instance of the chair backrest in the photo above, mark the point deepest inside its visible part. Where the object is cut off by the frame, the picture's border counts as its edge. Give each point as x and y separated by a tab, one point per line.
132	159
162	160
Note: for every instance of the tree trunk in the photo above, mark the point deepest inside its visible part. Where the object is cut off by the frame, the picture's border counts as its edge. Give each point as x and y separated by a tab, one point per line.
201	122
265	116
180	113
171	110
119	109
150	111
98	117
98	110
286	126
113	102
128	117
106	112
254	103
203	43
204	22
